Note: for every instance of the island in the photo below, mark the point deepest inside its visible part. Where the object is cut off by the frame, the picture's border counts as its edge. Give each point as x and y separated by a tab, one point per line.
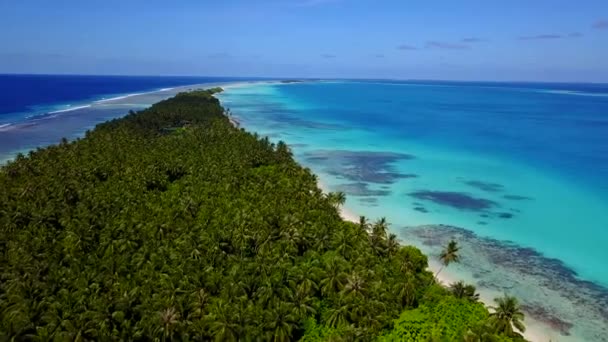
172	223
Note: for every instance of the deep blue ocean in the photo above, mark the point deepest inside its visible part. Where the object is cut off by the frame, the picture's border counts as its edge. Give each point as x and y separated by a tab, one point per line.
27	94
37	110
516	172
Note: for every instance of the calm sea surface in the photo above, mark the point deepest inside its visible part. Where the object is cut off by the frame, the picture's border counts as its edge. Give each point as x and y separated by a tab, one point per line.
517	172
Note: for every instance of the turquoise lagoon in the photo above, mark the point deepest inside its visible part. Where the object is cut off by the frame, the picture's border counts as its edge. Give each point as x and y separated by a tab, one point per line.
516	172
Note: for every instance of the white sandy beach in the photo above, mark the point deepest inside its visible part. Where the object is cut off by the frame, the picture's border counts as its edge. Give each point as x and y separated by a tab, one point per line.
536	331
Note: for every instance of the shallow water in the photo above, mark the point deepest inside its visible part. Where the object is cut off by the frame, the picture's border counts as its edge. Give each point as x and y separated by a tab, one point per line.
38	110
520	167
50	128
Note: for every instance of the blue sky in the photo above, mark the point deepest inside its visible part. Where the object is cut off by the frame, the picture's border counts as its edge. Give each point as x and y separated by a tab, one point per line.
535	40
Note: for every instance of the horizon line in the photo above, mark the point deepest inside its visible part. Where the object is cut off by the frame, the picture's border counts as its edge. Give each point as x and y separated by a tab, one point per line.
279	78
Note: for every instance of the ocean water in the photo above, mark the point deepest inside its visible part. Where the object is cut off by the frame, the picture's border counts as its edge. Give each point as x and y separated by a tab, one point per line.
37	110
516	172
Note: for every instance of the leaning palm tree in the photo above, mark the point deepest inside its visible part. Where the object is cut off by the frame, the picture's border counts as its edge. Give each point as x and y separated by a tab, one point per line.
363	224
379	229
336	199
507	315
464	291
392	245
449	255
340	198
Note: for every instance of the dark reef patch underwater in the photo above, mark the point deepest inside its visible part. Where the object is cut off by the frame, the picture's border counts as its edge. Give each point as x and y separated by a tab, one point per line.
485	186
361	166
505	267
360	189
488	157
516	197
458	200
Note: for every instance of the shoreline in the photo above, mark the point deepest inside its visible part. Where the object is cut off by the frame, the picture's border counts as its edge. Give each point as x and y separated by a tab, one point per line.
36	119
548	294
533	333
536	331
53	109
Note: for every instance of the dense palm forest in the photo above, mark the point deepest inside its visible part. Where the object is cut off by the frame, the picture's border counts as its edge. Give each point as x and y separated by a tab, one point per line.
171	224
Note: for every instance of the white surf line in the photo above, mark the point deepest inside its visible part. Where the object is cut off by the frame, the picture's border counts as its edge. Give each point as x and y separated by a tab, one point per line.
122	97
68	109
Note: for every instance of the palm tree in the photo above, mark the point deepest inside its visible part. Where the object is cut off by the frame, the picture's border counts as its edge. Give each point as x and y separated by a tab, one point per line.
378	236
449	255
406	266
336	199
169	317
334	276
198	302
363	224
340	198
355	285
223	327
481	332
343	243
507	315
303	303
307	277
406	290
464	291
292	237
359	234
281	322
369	313
338	314
392	245
379	229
